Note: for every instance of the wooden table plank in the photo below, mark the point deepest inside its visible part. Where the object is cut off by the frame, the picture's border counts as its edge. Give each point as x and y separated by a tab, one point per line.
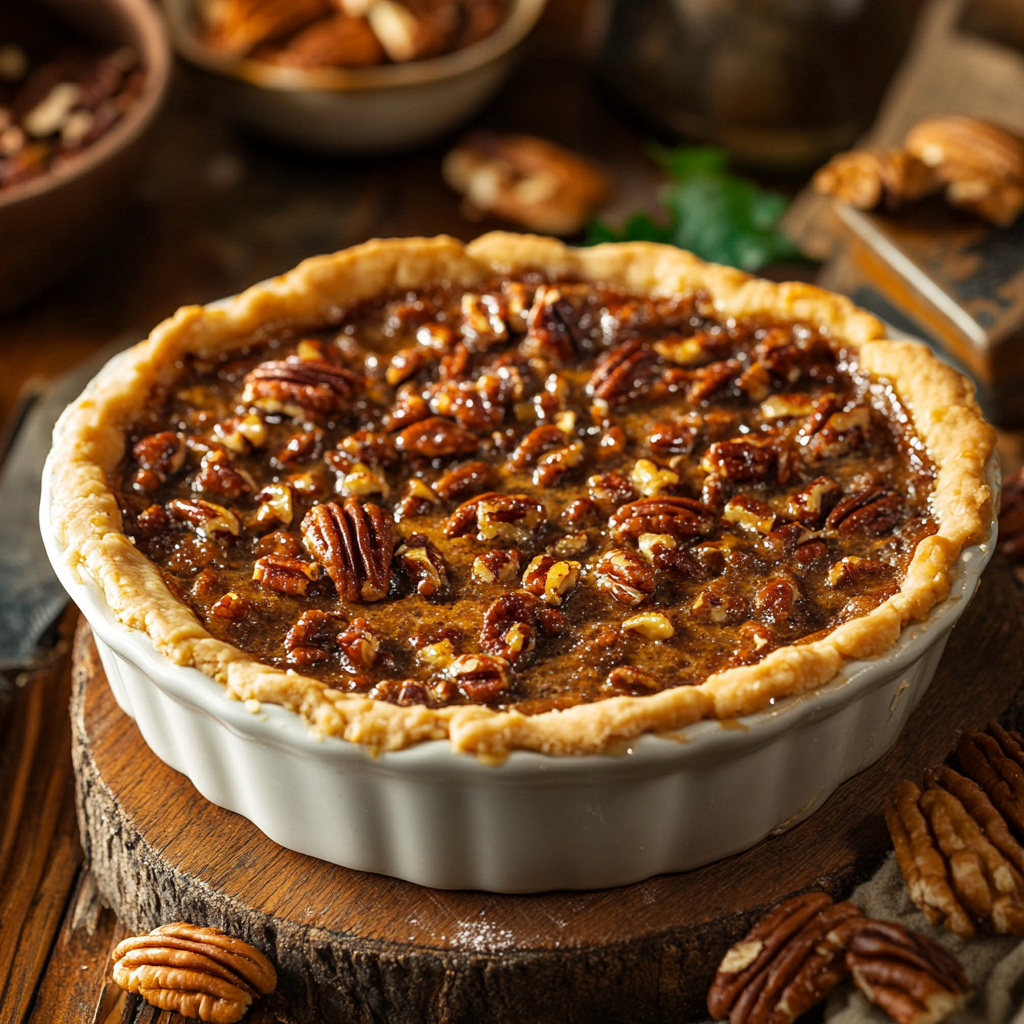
40	852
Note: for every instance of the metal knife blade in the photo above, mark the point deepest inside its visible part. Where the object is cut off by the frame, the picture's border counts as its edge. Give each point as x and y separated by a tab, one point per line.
31	598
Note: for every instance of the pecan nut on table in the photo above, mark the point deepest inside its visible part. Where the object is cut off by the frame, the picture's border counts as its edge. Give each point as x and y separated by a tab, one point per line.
958	841
803	948
531	494
195	971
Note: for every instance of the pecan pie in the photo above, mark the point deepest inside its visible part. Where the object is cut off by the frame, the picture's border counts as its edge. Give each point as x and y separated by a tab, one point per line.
520	495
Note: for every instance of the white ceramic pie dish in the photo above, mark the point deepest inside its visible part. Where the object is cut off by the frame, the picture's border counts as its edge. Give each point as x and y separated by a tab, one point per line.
536	822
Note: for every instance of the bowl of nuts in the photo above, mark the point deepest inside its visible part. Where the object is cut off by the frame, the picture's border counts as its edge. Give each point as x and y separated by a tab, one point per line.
80	85
355	76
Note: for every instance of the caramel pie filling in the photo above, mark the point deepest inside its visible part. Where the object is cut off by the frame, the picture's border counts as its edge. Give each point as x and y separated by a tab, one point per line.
530	495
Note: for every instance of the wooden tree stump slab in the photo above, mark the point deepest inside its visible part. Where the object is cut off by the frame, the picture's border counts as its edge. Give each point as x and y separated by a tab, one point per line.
357	948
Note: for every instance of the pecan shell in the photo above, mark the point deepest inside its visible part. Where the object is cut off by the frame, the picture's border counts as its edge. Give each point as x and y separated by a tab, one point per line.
354	543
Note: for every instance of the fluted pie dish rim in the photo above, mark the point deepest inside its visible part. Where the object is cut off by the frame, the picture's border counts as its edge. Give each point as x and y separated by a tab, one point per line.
89	445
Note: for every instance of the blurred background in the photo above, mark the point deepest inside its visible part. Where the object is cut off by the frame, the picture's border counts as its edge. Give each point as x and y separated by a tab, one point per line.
261	148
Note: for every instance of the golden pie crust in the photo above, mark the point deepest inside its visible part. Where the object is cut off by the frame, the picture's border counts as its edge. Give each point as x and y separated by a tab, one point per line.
90	446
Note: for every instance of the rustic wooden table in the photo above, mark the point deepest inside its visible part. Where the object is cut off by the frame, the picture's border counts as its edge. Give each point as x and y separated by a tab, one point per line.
214	212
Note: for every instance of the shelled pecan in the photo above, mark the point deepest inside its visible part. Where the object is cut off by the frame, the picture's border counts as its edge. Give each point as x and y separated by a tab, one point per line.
961	864
786	964
875	511
910	977
995	761
481	677
621	373
194	971
301	387
682	518
354	543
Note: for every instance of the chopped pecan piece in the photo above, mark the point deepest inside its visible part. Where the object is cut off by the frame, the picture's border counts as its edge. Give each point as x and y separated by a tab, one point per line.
865	177
552	466
721	603
910	977
513	622
550	579
162	454
496	566
778	601
630	680
312	633
195	971
241	433
749	514
553	329
417	499
610	490
538	441
852	570
651	480
652	625
811	504
680	518
232	607
301	387
741	461
218	475
301	447
840	433
409	408
369	447
275	506
712	379
359	643
623	372
424	565
406	362
671	438
354	543
152	521
787	963
511	517
701	347
483	323
285	575
481	677
207	518
435	437
463	480
581	512
625	576
874	511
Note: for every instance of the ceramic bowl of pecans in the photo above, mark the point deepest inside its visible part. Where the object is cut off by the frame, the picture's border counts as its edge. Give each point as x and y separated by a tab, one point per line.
80	87
355	76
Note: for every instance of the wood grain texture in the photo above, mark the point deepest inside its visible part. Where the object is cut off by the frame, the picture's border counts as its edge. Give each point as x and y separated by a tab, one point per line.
354	947
39	850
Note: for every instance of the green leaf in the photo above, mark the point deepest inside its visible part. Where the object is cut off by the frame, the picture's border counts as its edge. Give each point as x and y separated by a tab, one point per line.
717	215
